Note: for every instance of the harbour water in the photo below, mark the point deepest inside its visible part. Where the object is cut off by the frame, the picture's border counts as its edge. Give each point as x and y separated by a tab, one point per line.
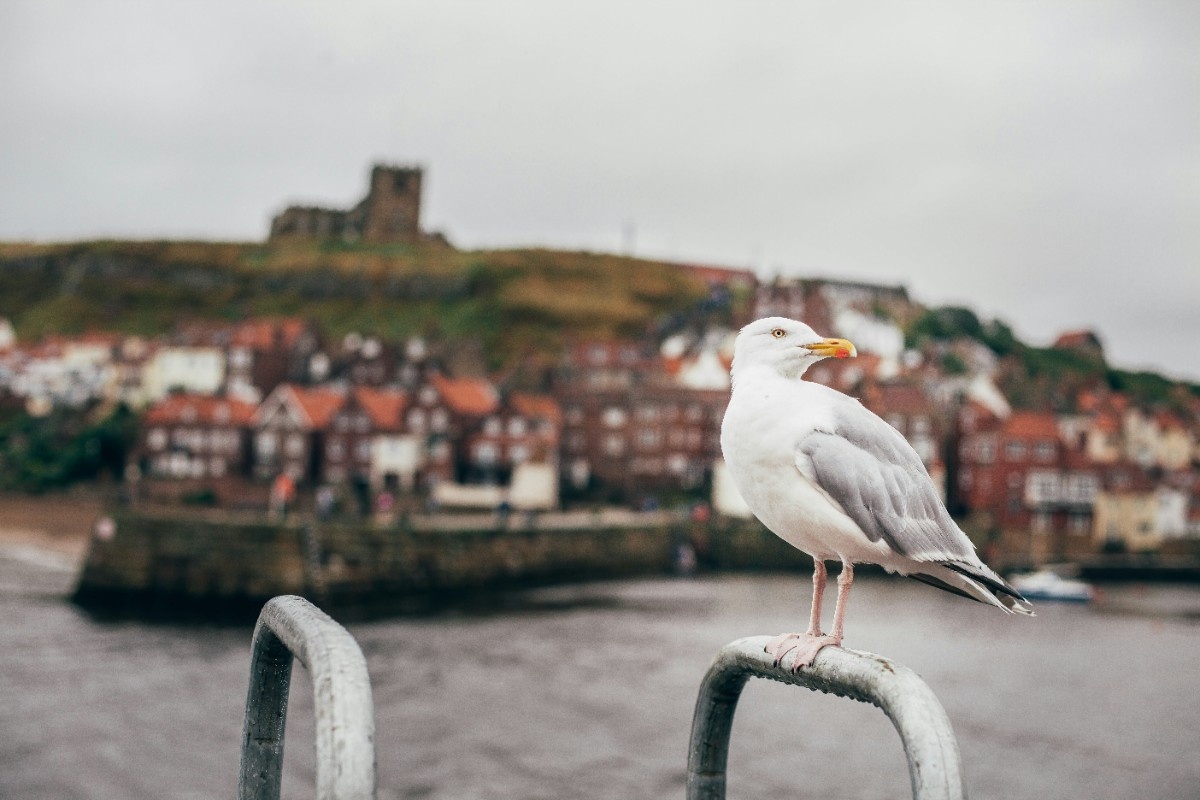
587	691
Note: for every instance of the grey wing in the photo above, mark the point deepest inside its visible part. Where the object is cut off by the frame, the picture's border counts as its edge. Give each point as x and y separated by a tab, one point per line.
869	469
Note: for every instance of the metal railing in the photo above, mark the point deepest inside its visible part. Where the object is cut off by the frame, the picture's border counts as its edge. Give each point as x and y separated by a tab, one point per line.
345	716
934	766
290	628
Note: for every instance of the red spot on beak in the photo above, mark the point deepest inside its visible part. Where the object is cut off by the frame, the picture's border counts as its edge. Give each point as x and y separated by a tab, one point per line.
842	353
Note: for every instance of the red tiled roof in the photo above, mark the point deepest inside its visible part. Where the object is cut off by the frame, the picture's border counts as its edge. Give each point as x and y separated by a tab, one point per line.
470	396
318	404
199	408
720	275
1168	421
385	407
268	333
536	405
1031	424
1071	340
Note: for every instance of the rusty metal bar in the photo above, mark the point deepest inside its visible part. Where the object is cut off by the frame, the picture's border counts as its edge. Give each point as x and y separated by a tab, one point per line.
934	766
345	717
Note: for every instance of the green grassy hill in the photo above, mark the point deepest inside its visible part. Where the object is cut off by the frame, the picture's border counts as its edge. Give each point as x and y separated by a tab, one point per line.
509	304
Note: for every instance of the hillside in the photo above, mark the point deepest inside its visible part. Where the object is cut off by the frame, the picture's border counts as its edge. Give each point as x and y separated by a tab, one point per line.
509	304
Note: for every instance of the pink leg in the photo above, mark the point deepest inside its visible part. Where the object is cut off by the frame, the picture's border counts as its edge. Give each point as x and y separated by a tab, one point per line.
806	646
814	619
845	581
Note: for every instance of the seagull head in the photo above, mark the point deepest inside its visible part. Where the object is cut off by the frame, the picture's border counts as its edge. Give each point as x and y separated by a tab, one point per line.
788	346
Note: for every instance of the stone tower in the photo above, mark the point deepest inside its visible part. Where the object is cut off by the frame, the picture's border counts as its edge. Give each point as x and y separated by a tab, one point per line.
391	211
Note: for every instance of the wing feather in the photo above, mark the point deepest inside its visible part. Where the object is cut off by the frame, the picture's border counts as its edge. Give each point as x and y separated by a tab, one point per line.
872	472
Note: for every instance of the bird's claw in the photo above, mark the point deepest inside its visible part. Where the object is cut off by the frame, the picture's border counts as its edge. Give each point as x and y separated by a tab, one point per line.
805	647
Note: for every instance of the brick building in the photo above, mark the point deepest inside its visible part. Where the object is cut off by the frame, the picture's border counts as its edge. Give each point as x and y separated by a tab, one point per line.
195	436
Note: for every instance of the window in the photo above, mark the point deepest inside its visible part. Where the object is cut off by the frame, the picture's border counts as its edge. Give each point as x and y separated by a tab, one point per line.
985	451
613	446
492	426
239	358
517	426
647	413
1014	450
416	420
362	423
965	477
336	449
1043	487
1042	522
1079	524
439	420
518	454
486	454
574	415
156	439
428	396
649	438
267	444
1043	451
362	450
295	445
613	417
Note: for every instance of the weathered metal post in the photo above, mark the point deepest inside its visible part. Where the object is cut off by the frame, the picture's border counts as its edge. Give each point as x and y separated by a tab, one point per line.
934	766
345	715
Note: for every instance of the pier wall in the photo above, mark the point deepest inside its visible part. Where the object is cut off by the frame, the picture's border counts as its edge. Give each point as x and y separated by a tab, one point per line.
176	563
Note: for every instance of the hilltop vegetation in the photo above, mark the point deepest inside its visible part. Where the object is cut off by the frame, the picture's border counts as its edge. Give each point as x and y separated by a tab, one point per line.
509	304
500	309
1045	377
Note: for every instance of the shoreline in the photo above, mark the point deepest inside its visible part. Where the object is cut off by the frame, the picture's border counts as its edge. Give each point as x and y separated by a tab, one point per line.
57	526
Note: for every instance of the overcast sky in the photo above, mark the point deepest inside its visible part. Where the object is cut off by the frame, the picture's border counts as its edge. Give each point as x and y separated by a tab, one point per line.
1038	161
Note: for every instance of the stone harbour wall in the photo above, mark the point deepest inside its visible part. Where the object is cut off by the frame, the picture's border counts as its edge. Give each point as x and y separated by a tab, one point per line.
167	564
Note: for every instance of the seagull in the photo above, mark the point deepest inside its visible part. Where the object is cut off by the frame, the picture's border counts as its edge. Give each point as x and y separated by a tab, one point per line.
834	480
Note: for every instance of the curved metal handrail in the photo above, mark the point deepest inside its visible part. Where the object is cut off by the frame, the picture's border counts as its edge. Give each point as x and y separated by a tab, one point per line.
934	766
345	716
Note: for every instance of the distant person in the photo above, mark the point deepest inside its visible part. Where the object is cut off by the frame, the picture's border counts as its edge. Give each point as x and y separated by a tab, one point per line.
283	491
385	507
324	503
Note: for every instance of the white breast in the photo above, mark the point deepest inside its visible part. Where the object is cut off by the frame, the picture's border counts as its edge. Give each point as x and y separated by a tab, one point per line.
765	419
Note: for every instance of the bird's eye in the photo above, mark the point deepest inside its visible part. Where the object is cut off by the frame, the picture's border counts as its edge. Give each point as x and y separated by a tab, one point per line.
778	333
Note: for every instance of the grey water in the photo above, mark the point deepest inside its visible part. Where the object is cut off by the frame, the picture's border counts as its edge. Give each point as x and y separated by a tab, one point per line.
587	691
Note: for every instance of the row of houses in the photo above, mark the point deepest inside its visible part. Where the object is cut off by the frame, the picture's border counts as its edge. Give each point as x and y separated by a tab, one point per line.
446	430
237	404
1110	476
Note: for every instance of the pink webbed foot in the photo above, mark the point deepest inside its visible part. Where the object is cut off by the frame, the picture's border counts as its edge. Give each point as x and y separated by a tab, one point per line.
804	645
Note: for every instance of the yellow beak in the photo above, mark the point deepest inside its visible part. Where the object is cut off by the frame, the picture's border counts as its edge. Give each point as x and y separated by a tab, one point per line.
838	348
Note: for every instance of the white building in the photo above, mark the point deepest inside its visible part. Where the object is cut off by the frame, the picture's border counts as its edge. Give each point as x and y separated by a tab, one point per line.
195	370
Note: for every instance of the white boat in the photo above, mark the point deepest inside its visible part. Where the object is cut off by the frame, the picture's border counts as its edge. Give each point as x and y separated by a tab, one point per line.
1046	585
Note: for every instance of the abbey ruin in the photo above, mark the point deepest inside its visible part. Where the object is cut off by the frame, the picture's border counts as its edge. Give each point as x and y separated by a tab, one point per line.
391	212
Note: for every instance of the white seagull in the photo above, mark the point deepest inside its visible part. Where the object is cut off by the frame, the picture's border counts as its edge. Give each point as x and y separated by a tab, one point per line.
834	480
